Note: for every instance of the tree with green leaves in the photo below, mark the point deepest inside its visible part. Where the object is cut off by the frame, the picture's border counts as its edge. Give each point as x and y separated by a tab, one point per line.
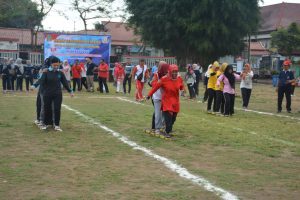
195	29
286	41
92	9
19	14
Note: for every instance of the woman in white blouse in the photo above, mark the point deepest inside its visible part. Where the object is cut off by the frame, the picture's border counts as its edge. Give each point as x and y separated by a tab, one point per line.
246	84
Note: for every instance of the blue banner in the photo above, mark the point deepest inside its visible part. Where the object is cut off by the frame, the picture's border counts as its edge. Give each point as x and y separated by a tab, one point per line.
71	47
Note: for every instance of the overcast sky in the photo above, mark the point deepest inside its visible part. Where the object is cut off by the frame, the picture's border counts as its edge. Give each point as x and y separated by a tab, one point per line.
55	21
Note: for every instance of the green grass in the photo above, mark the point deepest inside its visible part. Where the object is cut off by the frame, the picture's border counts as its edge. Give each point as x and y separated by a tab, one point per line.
254	156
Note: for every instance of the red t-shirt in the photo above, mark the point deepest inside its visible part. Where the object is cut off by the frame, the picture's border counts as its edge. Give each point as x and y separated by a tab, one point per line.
103	70
76	70
170	94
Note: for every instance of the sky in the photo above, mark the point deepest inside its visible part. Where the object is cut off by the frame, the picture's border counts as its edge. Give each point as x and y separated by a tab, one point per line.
71	21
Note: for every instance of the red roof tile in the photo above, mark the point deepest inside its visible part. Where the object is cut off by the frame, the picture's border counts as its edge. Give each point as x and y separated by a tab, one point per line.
279	15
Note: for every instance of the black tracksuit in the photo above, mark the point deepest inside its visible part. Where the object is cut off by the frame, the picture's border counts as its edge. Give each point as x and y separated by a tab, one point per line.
20	76
28	69
52	94
284	88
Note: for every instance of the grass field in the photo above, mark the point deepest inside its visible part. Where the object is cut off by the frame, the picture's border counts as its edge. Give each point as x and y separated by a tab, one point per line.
252	155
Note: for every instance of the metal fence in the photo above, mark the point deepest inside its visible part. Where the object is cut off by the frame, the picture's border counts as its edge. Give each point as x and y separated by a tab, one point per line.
13	55
149	61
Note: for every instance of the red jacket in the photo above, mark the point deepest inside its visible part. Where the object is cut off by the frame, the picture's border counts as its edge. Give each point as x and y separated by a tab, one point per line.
170	94
103	70
76	70
119	72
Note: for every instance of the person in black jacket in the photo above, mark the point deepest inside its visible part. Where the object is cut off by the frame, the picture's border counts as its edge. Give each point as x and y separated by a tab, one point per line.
286	78
28	74
20	74
51	81
5	76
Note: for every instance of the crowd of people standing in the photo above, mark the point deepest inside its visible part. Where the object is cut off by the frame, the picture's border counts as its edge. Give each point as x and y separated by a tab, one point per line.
165	80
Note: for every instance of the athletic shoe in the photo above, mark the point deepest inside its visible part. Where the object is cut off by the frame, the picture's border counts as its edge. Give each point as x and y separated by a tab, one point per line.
37	122
289	111
43	127
209	111
57	128
165	136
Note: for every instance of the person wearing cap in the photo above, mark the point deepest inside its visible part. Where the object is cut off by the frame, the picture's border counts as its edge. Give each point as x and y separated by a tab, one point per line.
51	81
171	85
246	84
211	86
284	86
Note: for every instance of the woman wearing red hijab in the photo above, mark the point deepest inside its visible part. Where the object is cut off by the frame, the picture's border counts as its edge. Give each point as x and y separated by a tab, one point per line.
171	85
157	119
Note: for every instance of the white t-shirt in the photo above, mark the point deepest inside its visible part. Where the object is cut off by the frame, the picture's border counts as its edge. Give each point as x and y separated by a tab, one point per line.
247	83
83	71
139	70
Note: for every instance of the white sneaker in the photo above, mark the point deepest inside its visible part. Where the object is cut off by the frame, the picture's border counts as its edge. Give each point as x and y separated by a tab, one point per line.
43	127
57	128
37	122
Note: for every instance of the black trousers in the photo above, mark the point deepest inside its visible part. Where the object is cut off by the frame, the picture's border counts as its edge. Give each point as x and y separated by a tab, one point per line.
229	103
20	83
102	82
191	89
293	89
246	93
84	83
284	90
153	117
38	107
6	82
196	85
220	102
211	98
205	95
12	82
56	101
76	81
27	81
169	120
127	79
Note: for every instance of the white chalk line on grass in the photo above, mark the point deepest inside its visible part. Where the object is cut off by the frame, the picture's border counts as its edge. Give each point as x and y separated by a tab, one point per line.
267	113
236	128
172	165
